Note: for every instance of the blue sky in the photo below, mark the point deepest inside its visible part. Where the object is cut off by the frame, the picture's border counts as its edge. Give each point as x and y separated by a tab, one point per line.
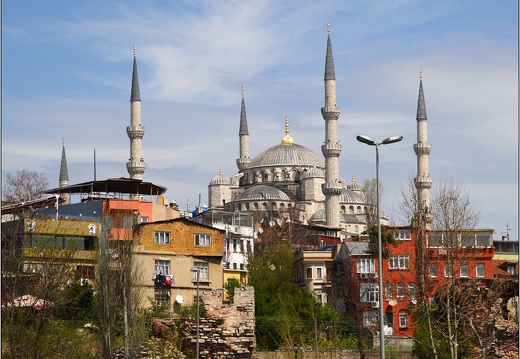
66	70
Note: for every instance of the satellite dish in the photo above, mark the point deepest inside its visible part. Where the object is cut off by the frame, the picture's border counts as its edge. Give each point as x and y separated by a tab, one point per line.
260	230
392	302
179	299
414	301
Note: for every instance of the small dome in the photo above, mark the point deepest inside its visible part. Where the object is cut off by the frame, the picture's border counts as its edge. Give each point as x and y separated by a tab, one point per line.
262	193
220	179
354	186
348	196
314	172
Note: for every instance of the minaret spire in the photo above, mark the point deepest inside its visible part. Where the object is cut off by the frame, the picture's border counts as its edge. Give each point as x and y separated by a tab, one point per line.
422	148
64	173
243	135
331	149
287	140
135	131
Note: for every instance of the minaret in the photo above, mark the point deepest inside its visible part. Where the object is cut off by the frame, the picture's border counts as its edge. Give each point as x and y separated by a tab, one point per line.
422	148
64	173
331	149
135	131
243	135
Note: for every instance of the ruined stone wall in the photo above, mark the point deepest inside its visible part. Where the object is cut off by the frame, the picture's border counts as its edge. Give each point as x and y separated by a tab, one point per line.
225	330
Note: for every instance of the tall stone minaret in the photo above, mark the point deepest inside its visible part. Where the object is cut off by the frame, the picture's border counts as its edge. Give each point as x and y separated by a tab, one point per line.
64	173
331	149
135	131
422	148
243	135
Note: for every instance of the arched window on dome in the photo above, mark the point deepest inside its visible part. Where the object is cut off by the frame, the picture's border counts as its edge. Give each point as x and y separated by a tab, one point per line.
343	209
356	230
247	206
282	206
255	206
359	210
273	206
264	206
351	209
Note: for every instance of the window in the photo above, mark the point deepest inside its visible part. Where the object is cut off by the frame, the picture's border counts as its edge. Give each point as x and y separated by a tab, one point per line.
480	268
162	297
403	234
411	290
464	270
368	292
366	265
403	320
433	270
319	298
161	237
234	245
319	273
370	318
400	290
401	261
144	219
203	271
309	273
389	291
203	240
511	269
448	270
162	267
484	239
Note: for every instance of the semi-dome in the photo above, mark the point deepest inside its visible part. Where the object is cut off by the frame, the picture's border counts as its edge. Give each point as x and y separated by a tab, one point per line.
348	196
321	217
220	179
314	172
262	193
287	155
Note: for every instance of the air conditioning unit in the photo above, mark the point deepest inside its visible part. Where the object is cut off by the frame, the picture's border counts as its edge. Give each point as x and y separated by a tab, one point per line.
372	275
375	304
364	275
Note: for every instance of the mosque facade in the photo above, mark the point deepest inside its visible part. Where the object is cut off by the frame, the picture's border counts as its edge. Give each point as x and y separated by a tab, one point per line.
290	181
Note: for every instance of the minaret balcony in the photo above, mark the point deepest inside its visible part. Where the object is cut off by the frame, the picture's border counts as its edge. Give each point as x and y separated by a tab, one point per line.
331	150
422	148
423	181
330	113
135	132
136	166
331	188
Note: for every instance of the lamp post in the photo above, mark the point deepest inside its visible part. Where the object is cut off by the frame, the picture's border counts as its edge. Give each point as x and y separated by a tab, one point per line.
316	329
197	270
367	140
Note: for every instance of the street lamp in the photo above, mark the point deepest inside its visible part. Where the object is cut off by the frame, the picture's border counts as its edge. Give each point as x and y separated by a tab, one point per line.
316	329
367	140
197	270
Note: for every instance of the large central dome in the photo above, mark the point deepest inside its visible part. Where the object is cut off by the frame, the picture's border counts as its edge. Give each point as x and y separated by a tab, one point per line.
287	155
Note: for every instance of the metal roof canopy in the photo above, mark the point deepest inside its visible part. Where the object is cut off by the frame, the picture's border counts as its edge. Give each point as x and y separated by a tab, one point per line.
112	185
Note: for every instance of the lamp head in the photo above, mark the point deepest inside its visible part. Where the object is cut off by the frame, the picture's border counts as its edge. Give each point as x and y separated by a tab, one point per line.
392	139
366	139
195	270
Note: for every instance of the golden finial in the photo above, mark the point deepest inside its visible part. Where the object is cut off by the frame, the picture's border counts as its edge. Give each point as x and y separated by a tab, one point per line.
220	173
287	140
352	180
242	90
135	50
420	73
328	26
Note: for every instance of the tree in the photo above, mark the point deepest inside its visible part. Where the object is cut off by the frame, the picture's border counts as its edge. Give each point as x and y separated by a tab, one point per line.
452	325
370	188
117	273
25	185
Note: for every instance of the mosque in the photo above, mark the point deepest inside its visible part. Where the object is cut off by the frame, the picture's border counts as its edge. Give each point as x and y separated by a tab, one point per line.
290	181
